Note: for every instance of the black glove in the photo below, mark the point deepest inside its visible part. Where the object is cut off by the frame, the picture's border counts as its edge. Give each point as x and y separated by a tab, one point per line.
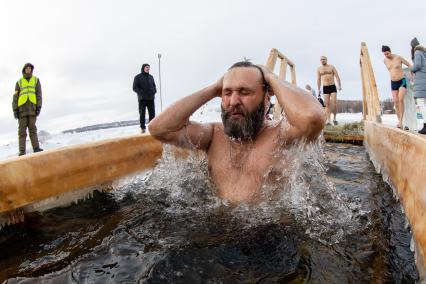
16	114
38	111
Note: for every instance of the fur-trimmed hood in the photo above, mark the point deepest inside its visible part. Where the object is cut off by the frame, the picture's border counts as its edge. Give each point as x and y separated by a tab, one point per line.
419	47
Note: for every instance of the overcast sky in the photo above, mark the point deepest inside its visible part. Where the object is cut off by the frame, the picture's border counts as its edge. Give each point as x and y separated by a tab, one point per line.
86	53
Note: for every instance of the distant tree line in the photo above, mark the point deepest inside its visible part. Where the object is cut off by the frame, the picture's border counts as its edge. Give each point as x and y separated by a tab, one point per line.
349	106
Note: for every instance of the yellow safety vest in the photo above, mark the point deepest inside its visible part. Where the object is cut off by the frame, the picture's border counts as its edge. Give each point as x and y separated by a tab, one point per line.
27	90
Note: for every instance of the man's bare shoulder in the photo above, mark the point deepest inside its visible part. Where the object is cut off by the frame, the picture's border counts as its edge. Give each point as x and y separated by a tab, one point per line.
217	128
397	58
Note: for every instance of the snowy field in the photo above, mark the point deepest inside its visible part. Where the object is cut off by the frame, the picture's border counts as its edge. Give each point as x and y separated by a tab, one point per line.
208	113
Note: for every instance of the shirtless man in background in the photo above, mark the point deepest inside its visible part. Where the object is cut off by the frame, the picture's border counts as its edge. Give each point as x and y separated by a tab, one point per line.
398	82
325	75
241	149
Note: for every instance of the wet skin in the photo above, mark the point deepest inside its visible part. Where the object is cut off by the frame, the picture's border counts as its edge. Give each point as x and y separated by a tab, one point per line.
237	167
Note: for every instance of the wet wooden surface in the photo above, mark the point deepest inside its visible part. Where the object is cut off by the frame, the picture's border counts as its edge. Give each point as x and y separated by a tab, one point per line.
400	156
32	178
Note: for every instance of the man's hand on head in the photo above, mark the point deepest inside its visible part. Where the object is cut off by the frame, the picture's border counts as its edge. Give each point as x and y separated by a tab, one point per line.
218	87
269	75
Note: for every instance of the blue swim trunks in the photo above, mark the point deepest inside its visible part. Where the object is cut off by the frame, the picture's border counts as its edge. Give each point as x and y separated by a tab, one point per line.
395	85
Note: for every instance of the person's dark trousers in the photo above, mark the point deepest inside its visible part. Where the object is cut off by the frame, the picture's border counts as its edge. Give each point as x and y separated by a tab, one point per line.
30	123
143	105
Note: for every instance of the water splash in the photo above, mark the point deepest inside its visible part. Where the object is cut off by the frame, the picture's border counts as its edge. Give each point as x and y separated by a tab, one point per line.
296	190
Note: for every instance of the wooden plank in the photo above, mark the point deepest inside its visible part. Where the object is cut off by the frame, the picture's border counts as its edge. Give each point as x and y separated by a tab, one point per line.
293	75
274	55
272	59
364	94
283	57
32	178
371	86
283	70
399	155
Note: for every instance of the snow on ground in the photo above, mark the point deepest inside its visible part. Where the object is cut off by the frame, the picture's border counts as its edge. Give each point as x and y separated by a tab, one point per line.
209	113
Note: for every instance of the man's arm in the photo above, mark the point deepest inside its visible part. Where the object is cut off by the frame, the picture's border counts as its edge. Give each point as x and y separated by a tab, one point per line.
38	97
173	126
136	88
15	101
417	62
303	111
155	86
319	81
405	62
339	83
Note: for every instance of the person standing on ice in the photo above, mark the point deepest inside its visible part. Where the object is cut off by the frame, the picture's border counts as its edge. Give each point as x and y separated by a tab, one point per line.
325	76
398	81
144	86
26	107
418	54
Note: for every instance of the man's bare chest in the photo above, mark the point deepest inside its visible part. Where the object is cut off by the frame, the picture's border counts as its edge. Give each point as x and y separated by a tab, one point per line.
393	64
236	163
326	71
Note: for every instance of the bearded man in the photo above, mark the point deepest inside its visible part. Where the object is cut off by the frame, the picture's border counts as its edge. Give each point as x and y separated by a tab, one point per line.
240	150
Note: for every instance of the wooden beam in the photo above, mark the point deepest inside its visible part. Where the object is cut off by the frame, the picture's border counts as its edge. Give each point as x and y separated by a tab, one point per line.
399	156
272	59
364	102
274	55
373	101
28	179
293	75
283	70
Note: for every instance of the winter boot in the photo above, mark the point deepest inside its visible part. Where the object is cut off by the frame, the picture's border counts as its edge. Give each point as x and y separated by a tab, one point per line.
423	131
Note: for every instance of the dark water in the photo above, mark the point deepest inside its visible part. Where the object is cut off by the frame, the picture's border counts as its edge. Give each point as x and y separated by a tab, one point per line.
337	224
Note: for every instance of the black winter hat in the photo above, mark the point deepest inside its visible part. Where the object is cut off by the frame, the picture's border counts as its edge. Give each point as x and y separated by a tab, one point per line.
28	65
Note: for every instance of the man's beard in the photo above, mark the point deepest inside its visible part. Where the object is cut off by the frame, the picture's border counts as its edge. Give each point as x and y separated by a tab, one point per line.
244	128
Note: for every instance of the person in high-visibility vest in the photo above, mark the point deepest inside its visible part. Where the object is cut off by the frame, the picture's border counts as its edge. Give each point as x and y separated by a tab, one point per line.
26	107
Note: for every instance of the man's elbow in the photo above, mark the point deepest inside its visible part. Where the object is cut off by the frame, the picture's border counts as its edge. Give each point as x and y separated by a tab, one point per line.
316	123
155	130
158	132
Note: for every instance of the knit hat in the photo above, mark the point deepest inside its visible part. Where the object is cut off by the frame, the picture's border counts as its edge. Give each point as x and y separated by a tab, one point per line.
414	42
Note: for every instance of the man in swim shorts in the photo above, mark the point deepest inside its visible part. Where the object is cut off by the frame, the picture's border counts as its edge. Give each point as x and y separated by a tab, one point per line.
242	148
398	82
325	75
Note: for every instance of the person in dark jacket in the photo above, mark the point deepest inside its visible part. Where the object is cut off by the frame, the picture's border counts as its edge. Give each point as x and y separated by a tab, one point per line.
144	86
26	107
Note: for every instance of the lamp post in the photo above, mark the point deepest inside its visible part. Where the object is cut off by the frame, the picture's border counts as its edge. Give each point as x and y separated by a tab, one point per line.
159	80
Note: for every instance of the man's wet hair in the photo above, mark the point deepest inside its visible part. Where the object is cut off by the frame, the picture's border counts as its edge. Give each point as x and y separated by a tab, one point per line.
385	48
248	64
